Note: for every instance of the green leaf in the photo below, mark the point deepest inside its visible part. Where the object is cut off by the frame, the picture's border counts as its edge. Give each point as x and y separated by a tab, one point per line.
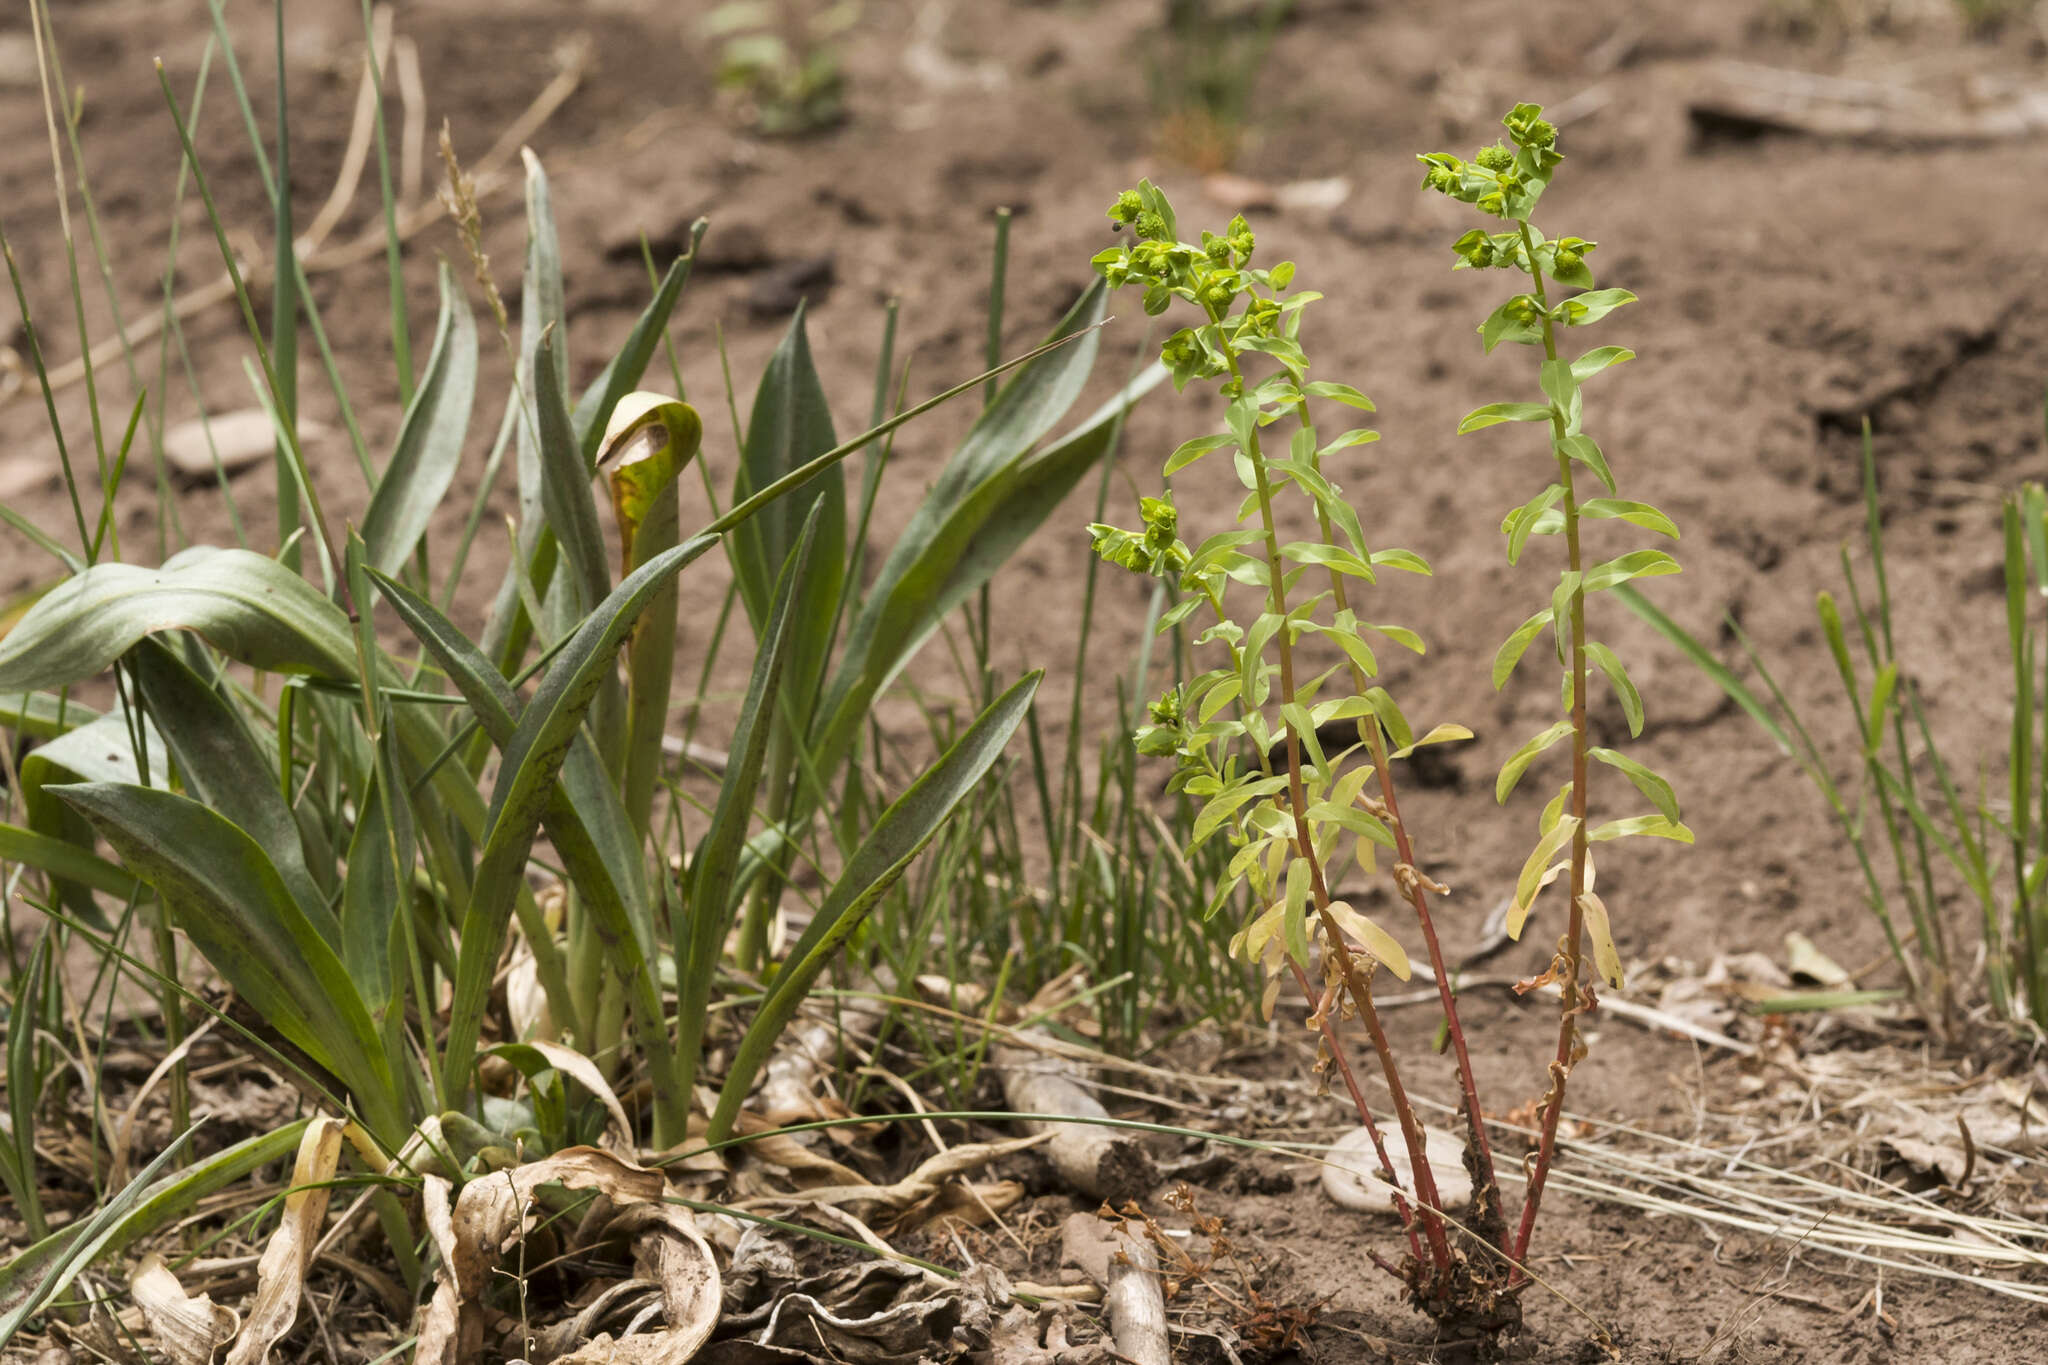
1652	826
1390	717
1537	871
247	606
1405	560
1635	564
1339	393
897	837
1188	452
1590	307
1598	359
566	496
622	373
226	895
994	491
223	766
542	314
1648	783
1704	660
1516	645
1637	513
789	427
66	861
1357	436
1624	687
423	462
376	893
1294	914
1494	413
1519	761
1438	734
526	777
1585	451
698	936
44	715
1520	524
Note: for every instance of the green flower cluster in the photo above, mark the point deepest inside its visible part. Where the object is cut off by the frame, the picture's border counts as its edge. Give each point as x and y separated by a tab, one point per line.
1213	274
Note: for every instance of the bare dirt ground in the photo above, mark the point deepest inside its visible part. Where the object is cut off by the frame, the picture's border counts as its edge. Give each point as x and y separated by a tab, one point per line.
1790	285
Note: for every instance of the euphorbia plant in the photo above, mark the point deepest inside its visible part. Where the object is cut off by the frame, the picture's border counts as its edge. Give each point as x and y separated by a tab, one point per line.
1504	181
1253	738
1249	736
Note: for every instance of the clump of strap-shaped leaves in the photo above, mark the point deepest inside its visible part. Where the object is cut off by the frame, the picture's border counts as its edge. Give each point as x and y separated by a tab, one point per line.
1294	769
1504	181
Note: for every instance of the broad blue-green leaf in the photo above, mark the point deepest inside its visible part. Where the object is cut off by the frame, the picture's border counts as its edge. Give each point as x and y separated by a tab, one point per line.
44	715
376	893
622	372
991	495
566	495
247	606
101	751
227	897
64	860
526	779
897	837
222	764
423	463
790	426
541	314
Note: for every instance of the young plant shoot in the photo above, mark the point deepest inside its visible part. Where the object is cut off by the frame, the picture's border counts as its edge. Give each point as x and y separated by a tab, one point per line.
1504	182
1252	738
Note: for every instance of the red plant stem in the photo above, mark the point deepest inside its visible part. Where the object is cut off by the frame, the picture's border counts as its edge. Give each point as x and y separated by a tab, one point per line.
1476	1124
1484	1184
1568	985
1297	797
1365	1118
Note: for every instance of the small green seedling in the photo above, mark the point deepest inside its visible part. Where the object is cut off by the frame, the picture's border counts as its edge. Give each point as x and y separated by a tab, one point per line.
780	58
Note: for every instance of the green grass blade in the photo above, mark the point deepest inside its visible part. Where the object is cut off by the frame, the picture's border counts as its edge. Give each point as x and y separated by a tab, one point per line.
1704	660
429	448
148	1203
